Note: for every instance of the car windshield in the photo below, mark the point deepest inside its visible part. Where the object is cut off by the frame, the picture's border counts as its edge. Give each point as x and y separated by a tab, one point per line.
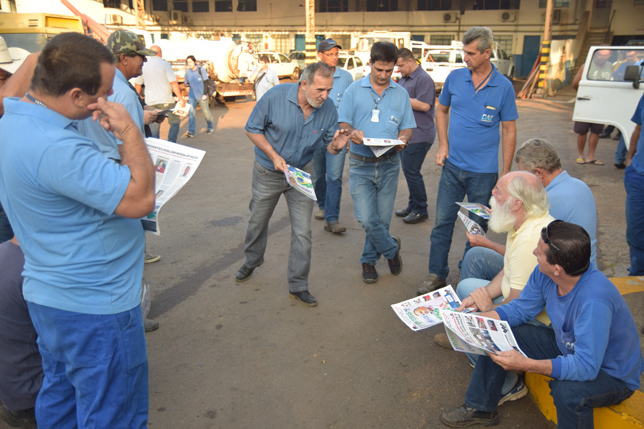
342	61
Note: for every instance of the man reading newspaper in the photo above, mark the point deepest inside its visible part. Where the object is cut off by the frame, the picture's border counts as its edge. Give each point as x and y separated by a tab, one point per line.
591	351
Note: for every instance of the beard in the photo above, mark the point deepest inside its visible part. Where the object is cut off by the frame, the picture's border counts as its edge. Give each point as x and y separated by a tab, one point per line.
501	218
314	102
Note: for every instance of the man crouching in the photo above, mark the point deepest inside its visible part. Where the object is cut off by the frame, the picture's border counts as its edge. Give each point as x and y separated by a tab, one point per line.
591	350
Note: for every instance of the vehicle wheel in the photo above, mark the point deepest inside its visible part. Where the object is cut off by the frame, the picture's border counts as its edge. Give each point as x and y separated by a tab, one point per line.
230	99
296	74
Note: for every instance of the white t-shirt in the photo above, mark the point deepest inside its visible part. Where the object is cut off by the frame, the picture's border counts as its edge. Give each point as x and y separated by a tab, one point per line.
157	76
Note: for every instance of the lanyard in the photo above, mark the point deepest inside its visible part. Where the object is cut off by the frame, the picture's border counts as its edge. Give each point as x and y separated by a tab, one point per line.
34	100
483	81
371	91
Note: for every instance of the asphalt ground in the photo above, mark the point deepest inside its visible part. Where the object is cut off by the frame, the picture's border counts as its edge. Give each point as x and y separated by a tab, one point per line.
245	355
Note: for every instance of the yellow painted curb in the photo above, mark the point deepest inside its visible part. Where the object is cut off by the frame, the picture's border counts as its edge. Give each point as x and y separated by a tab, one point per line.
627	285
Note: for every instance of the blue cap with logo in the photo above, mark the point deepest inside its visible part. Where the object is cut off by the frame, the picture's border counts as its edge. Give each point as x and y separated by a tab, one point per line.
327	45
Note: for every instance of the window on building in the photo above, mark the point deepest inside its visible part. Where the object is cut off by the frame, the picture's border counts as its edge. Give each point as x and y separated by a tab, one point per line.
434	4
505	42
494	4
223	5
558	3
181	5
247	6
116	4
200	6
441	39
343	40
382	5
283	43
160	5
332	5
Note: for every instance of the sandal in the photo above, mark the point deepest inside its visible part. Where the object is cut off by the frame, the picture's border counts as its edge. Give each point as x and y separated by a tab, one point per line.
595	162
580	161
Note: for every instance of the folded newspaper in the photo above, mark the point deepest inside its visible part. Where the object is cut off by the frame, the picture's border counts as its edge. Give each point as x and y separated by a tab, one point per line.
381	146
301	181
471	333
422	312
471	226
174	165
477	209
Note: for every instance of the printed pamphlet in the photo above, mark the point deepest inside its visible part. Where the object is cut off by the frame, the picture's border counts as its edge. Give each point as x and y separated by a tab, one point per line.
301	181
471	226
381	146
476	208
422	311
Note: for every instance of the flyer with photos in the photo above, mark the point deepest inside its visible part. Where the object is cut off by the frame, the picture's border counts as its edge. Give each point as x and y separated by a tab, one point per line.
423	311
301	181
477	209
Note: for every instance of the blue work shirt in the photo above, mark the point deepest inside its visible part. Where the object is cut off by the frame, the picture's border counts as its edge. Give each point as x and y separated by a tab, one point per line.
60	192
342	79
421	87
195	80
125	95
475	118
279	117
395	112
571	200
638	159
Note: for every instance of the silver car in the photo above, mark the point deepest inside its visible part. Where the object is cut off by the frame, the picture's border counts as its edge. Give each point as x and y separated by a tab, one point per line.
353	65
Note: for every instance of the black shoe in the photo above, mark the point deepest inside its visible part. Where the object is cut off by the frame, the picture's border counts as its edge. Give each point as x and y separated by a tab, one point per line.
415	218
604	135
24	419
395	264
403	213
620	165
467	416
304	297
245	272
369	273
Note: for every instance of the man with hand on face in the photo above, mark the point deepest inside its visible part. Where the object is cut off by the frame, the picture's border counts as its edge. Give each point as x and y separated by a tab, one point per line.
327	168
377	107
76	215
480	100
263	77
285	126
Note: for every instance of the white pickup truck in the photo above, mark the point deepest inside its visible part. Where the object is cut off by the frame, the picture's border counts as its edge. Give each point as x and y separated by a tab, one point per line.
611	99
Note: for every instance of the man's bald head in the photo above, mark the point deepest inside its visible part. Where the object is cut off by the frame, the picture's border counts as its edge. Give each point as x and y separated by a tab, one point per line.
157	50
527	188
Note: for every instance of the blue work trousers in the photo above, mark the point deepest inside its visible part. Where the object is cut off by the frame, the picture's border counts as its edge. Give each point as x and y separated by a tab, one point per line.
327	180
173	120
634	184
96	369
373	188
574	400
412	158
453	186
205	108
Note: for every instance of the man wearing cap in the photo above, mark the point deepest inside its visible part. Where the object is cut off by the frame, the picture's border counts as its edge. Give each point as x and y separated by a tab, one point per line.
160	82
76	216
327	168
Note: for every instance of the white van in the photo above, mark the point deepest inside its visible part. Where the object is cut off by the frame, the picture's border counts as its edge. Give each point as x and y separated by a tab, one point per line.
611	99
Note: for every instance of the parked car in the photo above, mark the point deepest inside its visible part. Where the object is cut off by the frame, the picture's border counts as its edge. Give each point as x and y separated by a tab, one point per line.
353	65
281	64
298	57
502	61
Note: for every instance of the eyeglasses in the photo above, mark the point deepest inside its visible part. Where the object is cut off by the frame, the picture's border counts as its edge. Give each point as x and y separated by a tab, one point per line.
547	240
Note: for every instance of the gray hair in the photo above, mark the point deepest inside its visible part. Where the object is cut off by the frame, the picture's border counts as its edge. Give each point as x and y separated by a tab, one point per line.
482	34
321	69
527	188
538	153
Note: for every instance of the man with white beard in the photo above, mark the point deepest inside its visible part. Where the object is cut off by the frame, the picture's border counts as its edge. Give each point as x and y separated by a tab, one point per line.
519	207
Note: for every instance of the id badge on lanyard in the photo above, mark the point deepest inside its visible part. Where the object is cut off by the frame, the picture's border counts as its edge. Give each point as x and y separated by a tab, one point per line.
375	115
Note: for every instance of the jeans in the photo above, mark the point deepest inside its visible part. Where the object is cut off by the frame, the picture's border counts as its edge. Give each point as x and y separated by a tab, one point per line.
6	233
634	184
574	400
205	108
334	170
319	174
268	186
412	158
454	184
620	152
373	188
96	369
173	120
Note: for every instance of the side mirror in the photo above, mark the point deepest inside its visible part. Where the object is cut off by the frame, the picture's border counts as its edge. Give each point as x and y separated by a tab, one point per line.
632	74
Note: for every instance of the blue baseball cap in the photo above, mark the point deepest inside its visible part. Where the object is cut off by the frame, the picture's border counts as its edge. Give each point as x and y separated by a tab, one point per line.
327	45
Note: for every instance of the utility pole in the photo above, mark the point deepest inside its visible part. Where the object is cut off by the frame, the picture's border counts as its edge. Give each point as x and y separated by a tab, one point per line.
310	32
139	12
542	87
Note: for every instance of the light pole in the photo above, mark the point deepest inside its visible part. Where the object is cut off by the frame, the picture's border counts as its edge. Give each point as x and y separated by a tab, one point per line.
310	32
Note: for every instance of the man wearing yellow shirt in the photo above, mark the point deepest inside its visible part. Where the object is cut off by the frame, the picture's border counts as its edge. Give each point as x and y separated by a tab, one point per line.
493	274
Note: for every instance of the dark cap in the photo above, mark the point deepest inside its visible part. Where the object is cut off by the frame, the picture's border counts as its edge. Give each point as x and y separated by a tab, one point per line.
127	42
327	45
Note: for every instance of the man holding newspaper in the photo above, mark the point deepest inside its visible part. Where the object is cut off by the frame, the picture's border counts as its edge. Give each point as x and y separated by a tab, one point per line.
592	350
285	126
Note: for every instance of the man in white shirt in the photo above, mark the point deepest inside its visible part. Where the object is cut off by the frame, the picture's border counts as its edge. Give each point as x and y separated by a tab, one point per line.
263	77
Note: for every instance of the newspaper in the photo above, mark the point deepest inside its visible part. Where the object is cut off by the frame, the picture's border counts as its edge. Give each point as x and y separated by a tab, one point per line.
471	226
478	209
472	333
182	111
381	146
301	181
174	165
422	312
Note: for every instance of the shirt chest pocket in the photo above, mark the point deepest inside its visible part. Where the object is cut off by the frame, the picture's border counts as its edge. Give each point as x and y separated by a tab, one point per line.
392	120
489	115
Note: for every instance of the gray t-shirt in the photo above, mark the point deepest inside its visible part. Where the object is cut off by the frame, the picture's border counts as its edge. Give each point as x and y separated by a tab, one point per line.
157	76
604	72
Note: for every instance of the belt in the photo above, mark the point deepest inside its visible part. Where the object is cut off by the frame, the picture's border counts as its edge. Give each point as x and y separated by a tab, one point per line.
372	158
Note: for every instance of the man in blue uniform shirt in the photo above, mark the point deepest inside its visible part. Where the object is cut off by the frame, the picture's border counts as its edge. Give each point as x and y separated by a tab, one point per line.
475	101
285	126
377	107
592	350
76	215
327	168
634	184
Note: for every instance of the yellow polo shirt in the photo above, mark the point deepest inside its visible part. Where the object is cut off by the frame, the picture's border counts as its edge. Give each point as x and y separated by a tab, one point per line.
519	261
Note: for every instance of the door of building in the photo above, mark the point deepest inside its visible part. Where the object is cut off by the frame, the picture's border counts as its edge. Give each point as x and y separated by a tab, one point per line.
300	42
530	54
601	13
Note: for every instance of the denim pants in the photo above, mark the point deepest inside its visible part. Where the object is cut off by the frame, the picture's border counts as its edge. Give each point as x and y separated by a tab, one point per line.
634	184
412	158
620	151
205	108
373	188
453	186
96	369
173	120
6	233
574	400
268	186
319	174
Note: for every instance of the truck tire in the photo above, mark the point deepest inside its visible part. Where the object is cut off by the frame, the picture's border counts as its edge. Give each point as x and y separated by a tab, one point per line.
296	73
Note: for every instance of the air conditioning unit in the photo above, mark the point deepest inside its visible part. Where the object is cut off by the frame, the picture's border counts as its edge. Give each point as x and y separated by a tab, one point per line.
114	19
176	17
556	16
509	16
450	17
186	20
